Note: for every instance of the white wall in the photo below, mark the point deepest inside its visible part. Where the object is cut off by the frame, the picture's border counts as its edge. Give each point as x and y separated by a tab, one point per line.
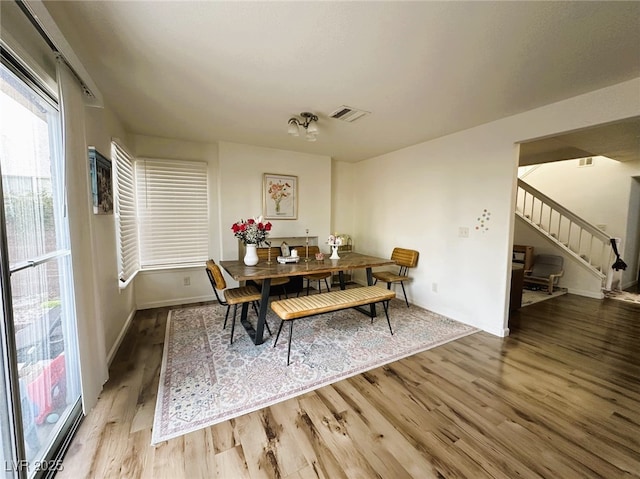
115	307
601	194
420	196
342	199
240	191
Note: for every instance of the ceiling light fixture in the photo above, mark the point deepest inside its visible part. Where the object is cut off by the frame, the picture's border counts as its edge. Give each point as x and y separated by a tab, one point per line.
307	122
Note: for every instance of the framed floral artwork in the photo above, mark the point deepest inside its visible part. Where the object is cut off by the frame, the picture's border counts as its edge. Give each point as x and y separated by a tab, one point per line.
279	197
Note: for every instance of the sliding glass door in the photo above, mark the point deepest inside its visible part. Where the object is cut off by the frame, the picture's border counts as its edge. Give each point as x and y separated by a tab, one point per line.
39	344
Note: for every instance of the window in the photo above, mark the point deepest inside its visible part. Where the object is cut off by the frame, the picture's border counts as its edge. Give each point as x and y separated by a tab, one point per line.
125	212
43	381
161	212
172	212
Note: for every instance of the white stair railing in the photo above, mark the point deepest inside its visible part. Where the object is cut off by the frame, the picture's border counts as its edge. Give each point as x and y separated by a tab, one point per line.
579	238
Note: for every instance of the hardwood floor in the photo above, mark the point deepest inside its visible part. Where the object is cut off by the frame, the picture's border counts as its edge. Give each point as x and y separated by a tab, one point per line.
558	398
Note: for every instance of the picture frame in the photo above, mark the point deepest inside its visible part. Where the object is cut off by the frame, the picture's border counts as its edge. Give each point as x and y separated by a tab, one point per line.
101	182
279	197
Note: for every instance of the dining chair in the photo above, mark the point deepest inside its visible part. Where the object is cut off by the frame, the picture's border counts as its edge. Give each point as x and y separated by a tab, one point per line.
232	296
405	259
319	277
263	255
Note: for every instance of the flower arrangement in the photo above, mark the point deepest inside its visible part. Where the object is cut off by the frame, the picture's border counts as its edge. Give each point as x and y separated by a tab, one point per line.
334	240
278	191
251	231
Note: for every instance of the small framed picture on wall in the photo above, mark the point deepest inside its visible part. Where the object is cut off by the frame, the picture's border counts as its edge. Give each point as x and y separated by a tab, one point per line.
101	183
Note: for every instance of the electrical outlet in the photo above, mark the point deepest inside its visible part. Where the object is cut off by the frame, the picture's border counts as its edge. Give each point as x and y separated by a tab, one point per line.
434	287
186	281
463	232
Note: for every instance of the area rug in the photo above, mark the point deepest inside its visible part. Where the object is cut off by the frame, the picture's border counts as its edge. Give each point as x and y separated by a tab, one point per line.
530	297
623	296
204	380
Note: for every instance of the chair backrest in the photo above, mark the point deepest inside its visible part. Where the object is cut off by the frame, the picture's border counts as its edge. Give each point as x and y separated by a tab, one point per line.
544	265
263	253
405	258
313	250
215	276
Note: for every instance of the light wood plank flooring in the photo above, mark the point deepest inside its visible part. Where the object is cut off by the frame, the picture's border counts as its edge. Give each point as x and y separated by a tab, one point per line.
558	398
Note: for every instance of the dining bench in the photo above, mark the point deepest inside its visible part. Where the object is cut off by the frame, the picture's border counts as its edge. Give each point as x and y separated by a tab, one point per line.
295	308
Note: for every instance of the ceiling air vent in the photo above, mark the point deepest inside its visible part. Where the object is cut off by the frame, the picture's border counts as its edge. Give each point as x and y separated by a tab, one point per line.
585	161
346	113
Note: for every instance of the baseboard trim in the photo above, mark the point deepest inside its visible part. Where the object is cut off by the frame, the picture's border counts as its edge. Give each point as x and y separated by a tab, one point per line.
123	331
174	302
585	293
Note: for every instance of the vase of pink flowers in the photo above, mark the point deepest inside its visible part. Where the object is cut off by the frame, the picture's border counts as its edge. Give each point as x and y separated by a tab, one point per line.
334	241
251	232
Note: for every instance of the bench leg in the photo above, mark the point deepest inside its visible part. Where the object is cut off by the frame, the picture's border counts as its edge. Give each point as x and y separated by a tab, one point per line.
278	335
385	304
290	334
289	348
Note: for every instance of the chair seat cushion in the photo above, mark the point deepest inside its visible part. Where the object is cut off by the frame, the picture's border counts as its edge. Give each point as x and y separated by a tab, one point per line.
389	276
243	294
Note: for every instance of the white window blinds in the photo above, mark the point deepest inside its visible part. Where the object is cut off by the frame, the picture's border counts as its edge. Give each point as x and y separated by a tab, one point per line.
173	212
125	212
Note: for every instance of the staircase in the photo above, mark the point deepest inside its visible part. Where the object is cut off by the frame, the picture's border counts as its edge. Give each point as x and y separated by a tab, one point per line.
586	243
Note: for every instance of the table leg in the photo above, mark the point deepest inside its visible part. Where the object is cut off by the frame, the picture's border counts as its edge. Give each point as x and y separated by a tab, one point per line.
369	277
256	334
262	316
341	279
370	283
244	320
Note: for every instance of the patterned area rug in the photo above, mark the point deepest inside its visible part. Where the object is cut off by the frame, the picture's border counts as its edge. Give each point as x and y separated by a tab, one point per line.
204	380
623	296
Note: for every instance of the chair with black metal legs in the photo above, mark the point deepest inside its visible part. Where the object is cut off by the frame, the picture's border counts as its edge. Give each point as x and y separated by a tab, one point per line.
232	296
319	277
405	259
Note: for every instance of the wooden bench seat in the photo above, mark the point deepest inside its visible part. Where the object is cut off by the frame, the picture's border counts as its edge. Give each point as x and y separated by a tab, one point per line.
294	308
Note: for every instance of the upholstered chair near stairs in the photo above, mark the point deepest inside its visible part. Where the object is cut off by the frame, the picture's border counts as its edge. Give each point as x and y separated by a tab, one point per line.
546	271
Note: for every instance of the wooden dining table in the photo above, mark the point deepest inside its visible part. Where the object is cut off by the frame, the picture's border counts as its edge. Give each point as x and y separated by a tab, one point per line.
266	272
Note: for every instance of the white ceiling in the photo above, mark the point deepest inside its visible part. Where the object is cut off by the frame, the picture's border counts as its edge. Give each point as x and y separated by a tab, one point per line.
237	71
